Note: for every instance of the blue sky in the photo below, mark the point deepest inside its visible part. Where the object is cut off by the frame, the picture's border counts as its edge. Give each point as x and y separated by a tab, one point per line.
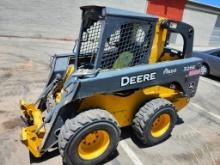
209	2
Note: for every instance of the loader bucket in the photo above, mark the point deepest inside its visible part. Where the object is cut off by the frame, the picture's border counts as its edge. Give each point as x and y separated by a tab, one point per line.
29	136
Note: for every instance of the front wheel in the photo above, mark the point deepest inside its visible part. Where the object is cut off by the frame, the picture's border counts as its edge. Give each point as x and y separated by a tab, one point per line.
89	138
154	121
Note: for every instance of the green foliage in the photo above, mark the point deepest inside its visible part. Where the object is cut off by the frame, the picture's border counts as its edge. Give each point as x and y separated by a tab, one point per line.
124	59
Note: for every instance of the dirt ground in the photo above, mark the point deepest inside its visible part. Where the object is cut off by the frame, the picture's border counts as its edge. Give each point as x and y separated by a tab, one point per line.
24	59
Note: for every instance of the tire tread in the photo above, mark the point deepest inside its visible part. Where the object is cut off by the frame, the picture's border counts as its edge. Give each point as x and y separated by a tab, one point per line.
72	126
145	113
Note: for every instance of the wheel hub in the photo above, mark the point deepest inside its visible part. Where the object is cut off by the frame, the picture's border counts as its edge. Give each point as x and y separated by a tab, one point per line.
203	70
160	125
94	144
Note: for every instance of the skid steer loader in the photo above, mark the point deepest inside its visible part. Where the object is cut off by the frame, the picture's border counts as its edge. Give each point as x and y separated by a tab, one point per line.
121	73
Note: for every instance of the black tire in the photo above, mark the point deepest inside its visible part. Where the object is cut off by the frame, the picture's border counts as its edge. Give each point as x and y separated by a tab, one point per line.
144	118
75	130
204	70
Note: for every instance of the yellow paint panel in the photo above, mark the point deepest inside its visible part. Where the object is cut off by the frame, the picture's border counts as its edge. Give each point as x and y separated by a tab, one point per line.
31	140
158	43
58	91
34	113
168	57
69	72
170	94
180	102
28	135
124	108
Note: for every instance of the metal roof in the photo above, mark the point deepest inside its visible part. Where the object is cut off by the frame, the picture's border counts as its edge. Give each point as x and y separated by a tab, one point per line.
120	12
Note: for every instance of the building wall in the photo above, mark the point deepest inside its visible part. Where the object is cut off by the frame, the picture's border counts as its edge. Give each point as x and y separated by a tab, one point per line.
203	20
171	9
215	37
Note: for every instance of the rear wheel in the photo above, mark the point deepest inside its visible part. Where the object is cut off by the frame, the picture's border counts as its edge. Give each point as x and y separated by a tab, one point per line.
89	138
154	121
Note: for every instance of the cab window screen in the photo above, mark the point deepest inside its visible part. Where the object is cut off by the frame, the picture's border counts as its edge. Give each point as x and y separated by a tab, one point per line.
126	46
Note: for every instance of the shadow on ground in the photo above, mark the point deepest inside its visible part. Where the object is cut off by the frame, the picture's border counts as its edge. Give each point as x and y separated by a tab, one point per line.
45	157
213	78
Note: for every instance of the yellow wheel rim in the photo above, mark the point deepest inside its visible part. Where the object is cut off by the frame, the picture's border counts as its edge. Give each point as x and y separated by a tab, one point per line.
160	125
94	144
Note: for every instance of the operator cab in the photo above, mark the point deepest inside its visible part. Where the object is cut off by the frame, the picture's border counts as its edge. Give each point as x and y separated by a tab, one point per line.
113	39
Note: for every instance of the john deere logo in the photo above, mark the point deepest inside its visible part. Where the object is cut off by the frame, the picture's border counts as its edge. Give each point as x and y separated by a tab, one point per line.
137	79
